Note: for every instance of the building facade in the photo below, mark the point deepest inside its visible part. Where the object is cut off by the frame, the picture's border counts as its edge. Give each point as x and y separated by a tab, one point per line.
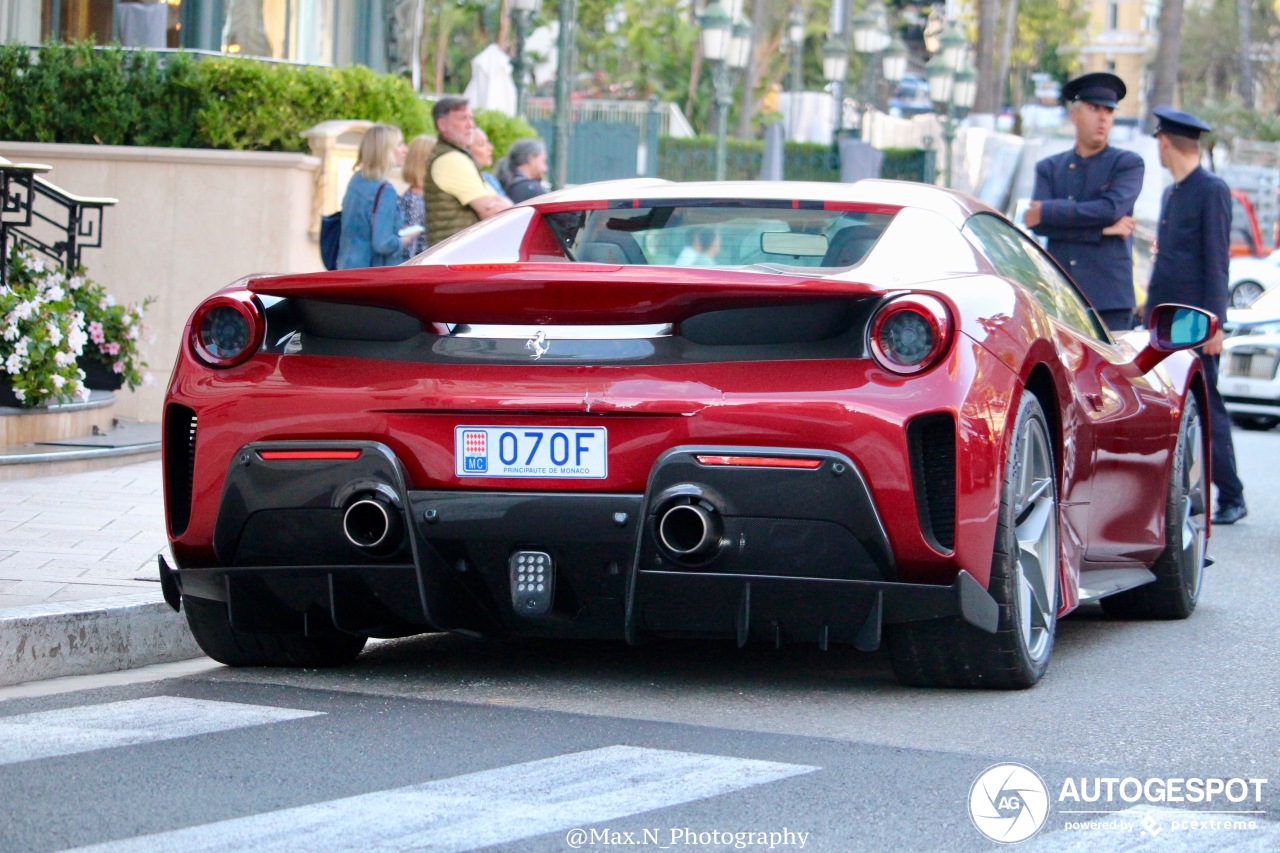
322	32
1121	38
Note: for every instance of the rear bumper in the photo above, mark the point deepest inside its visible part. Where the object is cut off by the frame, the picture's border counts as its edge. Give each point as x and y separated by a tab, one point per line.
798	554
1251	405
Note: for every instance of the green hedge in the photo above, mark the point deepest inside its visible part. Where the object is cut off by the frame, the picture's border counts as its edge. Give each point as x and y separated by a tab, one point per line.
694	159
79	94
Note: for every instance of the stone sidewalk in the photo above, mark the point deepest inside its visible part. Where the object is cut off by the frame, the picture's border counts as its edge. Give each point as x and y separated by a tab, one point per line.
80	536
79	589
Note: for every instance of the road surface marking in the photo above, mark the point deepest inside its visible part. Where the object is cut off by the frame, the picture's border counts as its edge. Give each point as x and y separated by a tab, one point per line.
475	810
46	734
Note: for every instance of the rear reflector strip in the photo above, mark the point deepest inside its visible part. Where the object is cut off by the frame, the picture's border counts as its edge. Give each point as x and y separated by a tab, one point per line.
760	461
291	455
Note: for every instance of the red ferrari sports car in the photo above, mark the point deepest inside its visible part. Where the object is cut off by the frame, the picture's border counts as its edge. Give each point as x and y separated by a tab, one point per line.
777	412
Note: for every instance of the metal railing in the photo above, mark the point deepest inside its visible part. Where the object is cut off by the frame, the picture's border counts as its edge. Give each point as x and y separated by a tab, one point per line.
47	219
671	119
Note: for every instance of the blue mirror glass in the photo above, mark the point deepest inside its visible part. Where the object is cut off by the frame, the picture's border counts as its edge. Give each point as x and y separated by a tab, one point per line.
1188	327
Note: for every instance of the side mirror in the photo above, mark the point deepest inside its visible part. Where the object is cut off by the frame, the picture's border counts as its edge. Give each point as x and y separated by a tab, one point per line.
1174	327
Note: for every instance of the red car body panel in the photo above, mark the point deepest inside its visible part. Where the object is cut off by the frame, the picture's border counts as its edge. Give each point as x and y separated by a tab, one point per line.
1112	423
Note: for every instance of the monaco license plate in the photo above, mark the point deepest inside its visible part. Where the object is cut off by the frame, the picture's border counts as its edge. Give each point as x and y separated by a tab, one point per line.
540	452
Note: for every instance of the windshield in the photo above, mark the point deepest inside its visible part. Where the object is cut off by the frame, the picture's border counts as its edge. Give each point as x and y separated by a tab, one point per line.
725	235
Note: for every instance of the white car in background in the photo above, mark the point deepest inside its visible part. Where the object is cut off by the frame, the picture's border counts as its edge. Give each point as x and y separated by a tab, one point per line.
1249	278
1247	379
1261	317
1247	370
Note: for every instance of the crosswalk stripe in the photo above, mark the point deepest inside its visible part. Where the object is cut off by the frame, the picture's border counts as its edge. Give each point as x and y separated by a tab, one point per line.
46	734
481	809
1168	830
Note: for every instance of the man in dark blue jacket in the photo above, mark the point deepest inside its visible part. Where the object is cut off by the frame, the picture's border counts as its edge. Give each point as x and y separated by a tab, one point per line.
1193	254
1083	201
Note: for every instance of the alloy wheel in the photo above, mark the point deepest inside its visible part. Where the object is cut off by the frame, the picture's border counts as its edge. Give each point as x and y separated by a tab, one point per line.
1036	529
1193	504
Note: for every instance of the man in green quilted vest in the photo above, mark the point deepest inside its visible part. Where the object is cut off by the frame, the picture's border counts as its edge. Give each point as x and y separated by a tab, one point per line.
455	194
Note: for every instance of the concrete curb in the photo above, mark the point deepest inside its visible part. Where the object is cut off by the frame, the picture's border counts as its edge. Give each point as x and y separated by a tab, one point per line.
90	637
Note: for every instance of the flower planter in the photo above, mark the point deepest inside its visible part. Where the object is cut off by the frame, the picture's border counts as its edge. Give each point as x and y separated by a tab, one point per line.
98	376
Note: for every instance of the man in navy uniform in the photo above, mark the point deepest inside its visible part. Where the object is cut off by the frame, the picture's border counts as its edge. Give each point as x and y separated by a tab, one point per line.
1083	201
1192	256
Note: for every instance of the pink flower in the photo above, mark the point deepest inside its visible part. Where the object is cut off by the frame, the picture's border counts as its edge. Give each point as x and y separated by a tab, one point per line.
111	348
95	332
118	367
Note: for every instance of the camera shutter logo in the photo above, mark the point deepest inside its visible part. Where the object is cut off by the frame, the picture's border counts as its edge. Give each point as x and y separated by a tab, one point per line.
1008	803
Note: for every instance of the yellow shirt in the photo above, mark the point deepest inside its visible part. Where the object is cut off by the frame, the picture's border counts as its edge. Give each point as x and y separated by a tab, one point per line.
456	174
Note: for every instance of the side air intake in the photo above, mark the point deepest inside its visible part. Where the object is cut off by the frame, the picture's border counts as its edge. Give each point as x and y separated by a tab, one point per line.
179	464
932	442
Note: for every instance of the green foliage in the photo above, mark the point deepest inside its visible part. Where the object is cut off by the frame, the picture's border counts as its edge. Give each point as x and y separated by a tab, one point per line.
1046	38
76	94
909	164
695	160
1210	70
18	119
1231	121
503	130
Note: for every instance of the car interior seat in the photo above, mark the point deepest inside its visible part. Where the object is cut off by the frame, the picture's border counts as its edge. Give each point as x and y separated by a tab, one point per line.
849	245
612	247
602	253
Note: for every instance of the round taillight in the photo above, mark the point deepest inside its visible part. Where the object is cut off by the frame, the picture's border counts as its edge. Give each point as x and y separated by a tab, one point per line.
227	330
910	333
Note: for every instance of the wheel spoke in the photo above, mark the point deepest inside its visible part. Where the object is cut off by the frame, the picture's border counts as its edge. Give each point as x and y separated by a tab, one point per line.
1192	505
1036	532
1194	464
1036	549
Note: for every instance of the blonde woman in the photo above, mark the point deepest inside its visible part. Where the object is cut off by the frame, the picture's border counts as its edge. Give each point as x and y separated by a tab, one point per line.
371	218
414	171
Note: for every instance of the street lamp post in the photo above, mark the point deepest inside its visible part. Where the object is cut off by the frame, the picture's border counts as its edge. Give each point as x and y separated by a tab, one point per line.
952	87
795	38
522	12
717	32
795	43
868	39
564	92
835	67
894	62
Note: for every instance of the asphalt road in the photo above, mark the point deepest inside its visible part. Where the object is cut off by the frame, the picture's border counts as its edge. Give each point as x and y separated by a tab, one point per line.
442	743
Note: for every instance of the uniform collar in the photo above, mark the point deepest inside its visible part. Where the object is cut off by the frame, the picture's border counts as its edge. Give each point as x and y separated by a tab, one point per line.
1076	155
1189	176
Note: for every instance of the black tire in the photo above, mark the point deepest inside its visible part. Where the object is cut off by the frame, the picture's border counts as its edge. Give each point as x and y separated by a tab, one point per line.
1179	569
212	630
1261	423
951	652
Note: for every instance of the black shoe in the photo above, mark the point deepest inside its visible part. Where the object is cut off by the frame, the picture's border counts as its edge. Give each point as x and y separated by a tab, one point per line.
1230	514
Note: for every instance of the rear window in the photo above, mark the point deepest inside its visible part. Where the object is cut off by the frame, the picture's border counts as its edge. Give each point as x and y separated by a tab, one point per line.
735	235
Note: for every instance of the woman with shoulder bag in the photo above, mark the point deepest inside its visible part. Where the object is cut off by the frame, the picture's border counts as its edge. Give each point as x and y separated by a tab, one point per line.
371	217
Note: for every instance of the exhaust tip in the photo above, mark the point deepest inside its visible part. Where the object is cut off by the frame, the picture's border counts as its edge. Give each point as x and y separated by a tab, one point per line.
370	524
689	531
